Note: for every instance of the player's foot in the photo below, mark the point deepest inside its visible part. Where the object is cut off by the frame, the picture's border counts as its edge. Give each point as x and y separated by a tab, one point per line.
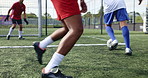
54	73
114	44
21	38
38	51
128	51
8	37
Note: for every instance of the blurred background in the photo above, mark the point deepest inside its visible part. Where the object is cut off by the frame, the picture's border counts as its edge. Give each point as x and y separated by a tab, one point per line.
93	19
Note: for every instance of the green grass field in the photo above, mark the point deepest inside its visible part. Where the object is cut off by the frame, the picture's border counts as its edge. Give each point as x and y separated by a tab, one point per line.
81	62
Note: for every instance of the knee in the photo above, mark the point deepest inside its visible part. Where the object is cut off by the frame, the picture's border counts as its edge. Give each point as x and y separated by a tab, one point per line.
108	25
65	29
21	27
123	23
13	26
76	32
79	31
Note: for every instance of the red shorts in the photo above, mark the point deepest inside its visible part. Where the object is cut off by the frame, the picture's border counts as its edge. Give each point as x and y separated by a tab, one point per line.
66	8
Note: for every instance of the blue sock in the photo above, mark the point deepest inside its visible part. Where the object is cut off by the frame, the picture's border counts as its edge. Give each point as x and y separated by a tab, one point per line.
110	32
125	33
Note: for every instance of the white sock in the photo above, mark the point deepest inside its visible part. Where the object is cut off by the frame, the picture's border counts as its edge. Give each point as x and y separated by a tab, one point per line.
20	33
10	31
55	61
43	44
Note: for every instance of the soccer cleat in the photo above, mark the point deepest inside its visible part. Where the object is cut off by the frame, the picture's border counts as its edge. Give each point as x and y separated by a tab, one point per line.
54	73
38	51
128	51
8	37
21	38
112	45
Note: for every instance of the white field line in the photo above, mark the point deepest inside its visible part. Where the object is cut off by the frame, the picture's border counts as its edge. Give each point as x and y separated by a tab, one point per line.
76	45
17	35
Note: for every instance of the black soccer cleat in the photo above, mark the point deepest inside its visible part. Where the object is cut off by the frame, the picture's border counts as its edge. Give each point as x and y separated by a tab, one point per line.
54	73
129	54
8	37
39	52
21	38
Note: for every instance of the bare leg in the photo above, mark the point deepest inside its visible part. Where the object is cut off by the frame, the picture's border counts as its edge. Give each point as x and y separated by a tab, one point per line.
59	33
75	27
20	30
20	27
123	23
11	29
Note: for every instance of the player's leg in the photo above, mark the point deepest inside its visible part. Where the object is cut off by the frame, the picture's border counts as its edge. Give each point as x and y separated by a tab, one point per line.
11	29
126	36
108	19
110	31
19	22
122	16
73	21
114	42
20	31
125	33
74	24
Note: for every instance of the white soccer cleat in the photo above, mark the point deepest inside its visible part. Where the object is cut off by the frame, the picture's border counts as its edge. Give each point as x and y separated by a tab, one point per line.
128	51
112	45
109	43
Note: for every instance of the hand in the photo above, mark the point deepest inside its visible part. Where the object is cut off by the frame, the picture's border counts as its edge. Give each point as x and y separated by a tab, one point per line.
26	21
7	18
140	2
83	6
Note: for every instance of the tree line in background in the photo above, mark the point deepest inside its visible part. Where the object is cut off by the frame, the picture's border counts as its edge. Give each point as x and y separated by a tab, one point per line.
92	17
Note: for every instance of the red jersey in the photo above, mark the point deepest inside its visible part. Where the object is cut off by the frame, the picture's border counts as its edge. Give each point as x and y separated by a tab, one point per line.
17	10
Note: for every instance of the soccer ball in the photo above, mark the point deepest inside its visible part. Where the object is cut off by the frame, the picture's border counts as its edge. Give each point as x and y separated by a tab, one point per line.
109	42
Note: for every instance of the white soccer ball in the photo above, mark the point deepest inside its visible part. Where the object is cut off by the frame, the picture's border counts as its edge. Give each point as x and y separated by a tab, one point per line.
109	43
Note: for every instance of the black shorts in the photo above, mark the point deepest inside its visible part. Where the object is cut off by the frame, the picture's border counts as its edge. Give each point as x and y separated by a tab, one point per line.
14	21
